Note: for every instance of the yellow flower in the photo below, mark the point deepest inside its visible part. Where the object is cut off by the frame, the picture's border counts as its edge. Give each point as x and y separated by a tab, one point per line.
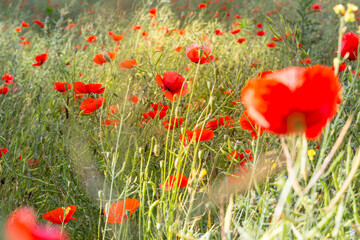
311	153
203	172
349	17
351	7
339	9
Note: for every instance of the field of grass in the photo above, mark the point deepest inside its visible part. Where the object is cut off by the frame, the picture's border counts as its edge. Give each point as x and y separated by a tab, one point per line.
58	148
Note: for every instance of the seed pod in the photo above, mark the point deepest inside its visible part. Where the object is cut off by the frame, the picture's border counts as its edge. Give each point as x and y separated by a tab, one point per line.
157	150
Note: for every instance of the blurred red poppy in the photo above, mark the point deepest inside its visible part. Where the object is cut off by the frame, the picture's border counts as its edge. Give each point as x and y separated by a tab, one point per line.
82	88
38	22
293	100
60	215
104	58
241	40
277	39
90	104
305	61
174	122
4	90
7	78
261	33
40	59
152	13
350	45
271	45
120	211
316	7
3	152
133	99
200	135
219	121
117	37
202	5
172	84
342	67
128	64
91	39
22	225
203	57
18	29
178	49
218	32
24	24
180	179
62	86
235	30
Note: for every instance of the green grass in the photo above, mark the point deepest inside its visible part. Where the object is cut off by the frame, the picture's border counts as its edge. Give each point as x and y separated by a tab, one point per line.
87	164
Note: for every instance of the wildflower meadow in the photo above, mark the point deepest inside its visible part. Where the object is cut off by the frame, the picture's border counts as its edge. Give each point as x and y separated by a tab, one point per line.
179	119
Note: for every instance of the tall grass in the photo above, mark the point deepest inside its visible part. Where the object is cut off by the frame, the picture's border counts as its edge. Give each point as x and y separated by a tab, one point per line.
285	195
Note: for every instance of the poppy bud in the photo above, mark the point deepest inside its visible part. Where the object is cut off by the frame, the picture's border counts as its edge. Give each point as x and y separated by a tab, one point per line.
100	194
107	57
211	100
161	164
200	154
141	150
156	150
177	162
208	83
177	112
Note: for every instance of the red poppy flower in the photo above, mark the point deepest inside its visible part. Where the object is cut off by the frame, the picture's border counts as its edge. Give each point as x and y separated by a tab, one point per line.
120	211
277	39
89	105
242	158
174	122
91	39
152	13
7	78
342	67
4	90
193	53
104	58
110	122
117	37
271	45
293	99
261	33
38	22
178	49
24	24
249	124
200	135
235	30
241	40
3	152
18	29
40	59
305	61
202	5
61	215
180	179
82	88
316	6
133	99
62	86
350	45
218	32
172	84
128	64
219	121
228	92
22	224
259	25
